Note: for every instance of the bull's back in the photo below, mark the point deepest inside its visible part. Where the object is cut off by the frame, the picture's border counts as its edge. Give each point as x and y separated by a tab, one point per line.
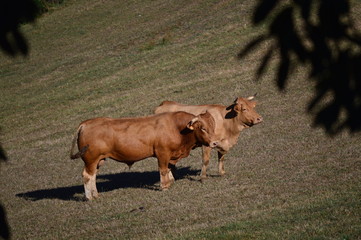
142	137
134	138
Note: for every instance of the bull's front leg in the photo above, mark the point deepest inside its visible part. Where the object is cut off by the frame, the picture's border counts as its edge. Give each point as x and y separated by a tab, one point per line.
166	176
206	153
221	163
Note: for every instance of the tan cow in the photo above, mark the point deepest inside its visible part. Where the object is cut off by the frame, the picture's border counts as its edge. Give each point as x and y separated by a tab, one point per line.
167	136
230	121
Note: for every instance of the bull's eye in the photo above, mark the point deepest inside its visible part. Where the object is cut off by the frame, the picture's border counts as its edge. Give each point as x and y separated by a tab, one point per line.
204	130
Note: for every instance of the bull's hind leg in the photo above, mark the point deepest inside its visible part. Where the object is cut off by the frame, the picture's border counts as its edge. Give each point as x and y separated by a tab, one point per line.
89	179
206	153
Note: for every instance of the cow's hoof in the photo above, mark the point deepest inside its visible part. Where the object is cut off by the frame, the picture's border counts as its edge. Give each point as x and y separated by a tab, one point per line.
87	199
91	198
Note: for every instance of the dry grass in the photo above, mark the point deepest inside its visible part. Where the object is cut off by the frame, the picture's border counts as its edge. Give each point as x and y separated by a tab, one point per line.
284	178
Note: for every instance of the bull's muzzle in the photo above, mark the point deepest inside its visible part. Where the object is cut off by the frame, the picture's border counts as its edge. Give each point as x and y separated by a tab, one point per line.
213	144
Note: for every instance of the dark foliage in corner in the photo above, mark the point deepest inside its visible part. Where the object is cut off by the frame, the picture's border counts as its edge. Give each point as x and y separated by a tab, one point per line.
12	14
319	35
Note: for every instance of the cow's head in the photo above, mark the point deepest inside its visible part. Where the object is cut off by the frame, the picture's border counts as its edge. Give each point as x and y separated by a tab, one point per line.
203	127
244	111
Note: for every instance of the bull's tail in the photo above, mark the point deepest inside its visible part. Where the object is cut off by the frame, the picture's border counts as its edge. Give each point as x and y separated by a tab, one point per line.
75	140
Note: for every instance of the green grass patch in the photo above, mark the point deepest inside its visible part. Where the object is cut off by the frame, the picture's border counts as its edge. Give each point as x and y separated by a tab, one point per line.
328	218
284	179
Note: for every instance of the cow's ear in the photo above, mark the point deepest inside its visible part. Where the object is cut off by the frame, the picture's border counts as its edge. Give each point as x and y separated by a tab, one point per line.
190	125
237	107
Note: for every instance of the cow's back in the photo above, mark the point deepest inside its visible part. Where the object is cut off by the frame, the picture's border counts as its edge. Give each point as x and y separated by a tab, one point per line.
218	112
170	106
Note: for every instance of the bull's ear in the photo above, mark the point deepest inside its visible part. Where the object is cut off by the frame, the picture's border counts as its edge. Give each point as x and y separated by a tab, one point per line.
190	125
205	114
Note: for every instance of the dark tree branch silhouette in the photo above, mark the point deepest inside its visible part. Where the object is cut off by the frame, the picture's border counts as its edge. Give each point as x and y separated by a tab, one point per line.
321	36
13	13
4	226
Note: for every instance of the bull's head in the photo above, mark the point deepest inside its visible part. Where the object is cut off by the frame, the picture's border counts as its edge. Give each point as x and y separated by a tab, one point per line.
203	126
246	114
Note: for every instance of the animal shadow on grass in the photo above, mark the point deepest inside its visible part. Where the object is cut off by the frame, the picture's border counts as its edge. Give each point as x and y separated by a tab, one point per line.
106	183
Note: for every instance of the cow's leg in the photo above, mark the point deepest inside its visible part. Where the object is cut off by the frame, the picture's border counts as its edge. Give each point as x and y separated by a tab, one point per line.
221	163
206	153
173	170
171	177
89	179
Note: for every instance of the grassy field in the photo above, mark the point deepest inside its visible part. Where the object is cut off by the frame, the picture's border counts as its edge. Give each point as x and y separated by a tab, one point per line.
284	179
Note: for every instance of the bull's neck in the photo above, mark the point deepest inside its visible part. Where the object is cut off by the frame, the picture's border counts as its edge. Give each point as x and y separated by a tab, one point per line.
189	139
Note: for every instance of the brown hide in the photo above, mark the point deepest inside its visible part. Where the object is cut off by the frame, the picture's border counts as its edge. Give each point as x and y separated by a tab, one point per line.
229	120
166	136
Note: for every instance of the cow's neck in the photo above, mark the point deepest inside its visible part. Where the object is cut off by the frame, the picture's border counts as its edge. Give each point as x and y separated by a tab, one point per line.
233	127
232	119
236	128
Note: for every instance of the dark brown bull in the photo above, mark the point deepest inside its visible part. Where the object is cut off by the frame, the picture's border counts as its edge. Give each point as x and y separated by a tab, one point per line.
230	121
167	136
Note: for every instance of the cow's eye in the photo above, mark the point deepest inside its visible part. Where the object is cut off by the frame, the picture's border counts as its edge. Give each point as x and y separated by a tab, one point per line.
244	109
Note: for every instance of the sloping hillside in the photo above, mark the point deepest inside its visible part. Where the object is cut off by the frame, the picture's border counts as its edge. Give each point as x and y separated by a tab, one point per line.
284	178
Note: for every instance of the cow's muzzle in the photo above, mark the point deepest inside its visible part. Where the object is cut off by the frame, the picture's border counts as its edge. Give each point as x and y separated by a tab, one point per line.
254	122
259	120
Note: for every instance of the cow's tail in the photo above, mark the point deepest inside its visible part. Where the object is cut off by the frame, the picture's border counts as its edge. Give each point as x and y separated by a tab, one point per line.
75	141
